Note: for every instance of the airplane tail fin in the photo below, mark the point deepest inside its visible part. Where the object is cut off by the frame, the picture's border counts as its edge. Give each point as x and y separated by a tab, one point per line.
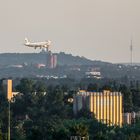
49	42
26	40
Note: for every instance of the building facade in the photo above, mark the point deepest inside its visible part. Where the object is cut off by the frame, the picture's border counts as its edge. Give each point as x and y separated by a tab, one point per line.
7	86
130	117
106	105
51	60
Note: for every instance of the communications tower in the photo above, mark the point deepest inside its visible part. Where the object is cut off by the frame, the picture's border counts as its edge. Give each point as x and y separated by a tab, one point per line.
131	53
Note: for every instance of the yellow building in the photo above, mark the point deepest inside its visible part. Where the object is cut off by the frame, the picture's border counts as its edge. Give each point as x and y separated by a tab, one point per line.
7	85
106	105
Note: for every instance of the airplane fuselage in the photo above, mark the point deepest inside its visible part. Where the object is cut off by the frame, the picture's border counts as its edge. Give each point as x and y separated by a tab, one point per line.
45	44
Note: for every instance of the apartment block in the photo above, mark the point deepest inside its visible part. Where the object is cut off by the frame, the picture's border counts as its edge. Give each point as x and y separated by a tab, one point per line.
106	105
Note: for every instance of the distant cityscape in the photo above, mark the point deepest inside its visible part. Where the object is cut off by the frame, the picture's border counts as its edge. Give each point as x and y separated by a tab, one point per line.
94	94
49	65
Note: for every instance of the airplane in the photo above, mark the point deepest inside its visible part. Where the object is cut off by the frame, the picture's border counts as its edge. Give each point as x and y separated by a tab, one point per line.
45	44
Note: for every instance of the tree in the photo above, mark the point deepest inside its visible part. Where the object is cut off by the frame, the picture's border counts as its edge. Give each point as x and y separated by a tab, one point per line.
92	87
55	102
79	130
127	97
85	113
26	86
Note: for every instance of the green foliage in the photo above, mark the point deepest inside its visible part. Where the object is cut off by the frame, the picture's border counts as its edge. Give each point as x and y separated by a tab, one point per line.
84	113
25	86
127	98
43	112
92	87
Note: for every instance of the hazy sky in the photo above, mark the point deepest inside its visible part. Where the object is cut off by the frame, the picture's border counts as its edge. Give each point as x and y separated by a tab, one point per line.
96	29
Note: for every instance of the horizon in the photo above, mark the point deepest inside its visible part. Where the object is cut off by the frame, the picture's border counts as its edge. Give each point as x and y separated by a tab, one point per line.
134	63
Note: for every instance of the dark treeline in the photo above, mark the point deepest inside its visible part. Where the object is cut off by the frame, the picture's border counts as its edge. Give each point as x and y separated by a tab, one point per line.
43	111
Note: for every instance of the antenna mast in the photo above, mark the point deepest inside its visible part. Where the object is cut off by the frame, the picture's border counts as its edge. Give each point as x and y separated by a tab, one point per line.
131	53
